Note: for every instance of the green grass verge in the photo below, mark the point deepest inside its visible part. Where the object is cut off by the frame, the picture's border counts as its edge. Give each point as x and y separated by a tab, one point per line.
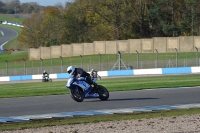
12	57
114	84
12	18
94	119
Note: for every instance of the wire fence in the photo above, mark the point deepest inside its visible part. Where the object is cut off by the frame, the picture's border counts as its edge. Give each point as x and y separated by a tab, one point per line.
100	63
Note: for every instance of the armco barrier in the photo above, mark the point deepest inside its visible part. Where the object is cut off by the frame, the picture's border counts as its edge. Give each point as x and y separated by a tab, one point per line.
154	71
176	71
13	24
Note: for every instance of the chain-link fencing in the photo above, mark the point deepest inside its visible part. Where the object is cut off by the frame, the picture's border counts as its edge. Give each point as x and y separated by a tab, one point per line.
99	63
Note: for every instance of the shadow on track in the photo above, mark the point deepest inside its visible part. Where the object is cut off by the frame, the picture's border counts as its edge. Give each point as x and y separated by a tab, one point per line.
122	99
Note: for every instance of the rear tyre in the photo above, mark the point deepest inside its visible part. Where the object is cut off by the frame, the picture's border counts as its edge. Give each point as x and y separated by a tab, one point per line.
77	94
103	92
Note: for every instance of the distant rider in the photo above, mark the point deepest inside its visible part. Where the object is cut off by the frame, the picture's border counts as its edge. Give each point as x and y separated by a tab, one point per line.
45	74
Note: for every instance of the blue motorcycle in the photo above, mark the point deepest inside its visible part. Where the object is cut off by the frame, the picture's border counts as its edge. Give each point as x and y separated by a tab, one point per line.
80	89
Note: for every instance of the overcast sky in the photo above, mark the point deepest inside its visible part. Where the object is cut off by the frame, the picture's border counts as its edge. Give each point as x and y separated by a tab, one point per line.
47	2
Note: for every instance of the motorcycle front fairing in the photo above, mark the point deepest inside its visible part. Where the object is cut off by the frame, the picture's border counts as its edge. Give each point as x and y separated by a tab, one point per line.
81	83
73	82
46	77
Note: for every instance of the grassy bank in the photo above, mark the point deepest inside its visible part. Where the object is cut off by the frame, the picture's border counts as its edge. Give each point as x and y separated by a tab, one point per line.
12	57
13	18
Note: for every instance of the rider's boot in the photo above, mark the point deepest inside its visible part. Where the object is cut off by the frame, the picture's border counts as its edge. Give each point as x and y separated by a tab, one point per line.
93	91
94	85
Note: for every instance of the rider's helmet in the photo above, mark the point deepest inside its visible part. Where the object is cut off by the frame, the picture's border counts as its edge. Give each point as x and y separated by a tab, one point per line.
71	70
44	71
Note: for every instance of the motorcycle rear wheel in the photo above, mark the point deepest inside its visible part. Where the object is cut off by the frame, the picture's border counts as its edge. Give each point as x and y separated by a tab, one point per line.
77	94
103	93
43	80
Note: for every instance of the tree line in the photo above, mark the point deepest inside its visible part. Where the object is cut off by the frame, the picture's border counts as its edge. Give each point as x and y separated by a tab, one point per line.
96	20
15	7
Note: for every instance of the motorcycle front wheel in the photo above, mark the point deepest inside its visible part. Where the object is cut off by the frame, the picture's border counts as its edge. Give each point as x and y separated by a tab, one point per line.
50	80
77	94
103	93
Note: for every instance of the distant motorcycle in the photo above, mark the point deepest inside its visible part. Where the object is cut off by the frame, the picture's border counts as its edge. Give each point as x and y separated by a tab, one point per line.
79	89
45	78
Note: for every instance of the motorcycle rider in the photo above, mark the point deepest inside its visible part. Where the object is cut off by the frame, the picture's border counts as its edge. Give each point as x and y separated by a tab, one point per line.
45	74
80	74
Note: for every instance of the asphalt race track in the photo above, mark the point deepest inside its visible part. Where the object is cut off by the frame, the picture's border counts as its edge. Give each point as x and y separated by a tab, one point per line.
123	99
8	34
